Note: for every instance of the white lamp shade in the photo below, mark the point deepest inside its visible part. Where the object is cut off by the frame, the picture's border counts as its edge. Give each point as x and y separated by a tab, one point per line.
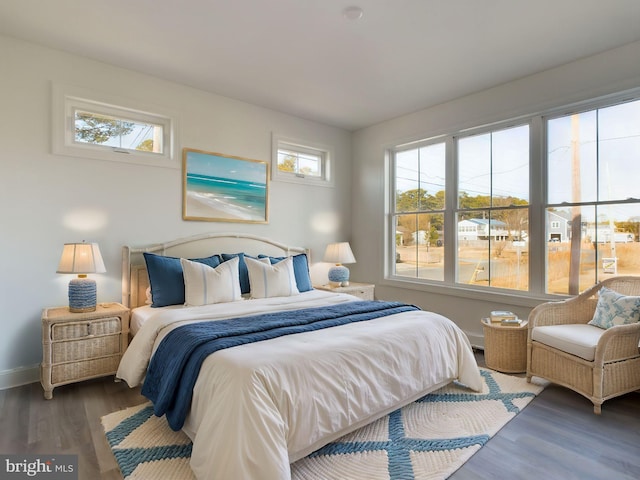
81	258
339	253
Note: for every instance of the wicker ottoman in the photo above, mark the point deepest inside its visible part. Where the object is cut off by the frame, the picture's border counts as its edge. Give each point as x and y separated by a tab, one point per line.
505	347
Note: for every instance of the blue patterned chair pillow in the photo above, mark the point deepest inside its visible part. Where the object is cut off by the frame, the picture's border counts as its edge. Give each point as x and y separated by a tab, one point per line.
615	309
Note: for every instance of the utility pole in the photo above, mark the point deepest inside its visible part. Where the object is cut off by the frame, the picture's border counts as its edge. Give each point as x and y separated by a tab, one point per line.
576	212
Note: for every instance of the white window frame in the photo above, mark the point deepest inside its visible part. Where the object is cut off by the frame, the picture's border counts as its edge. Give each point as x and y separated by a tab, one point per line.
280	142
537	205
68	99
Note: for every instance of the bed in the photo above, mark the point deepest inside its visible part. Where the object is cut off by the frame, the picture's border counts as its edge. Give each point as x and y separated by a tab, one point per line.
257	407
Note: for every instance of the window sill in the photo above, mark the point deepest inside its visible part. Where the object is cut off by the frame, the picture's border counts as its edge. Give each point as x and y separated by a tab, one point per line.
506	297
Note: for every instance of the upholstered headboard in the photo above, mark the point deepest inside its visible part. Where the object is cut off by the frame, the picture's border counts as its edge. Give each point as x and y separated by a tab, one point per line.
134	271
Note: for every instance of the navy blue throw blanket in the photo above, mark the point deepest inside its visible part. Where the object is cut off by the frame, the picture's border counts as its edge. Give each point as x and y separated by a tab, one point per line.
175	366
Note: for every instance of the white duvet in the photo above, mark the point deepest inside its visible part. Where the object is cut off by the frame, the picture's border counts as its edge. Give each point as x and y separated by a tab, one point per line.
259	407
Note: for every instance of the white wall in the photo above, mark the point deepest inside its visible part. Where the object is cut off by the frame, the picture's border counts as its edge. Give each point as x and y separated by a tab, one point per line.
606	73
47	200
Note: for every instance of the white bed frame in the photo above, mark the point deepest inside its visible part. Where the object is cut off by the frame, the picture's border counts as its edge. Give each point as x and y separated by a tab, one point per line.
135	279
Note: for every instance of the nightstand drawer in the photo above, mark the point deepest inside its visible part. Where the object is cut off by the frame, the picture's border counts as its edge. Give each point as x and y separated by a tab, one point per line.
68	372
86	348
363	293
77	330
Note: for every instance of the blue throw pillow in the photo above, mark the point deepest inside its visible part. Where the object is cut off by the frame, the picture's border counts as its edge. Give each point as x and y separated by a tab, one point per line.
167	280
242	268
300	270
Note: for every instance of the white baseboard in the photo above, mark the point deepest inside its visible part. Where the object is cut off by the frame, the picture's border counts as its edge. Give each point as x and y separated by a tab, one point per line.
19	376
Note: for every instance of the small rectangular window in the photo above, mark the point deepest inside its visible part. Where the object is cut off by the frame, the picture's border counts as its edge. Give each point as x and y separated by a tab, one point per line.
121	133
91	125
300	162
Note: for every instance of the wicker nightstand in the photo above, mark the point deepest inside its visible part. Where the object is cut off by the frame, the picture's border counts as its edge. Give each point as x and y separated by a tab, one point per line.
365	291
80	346
505	347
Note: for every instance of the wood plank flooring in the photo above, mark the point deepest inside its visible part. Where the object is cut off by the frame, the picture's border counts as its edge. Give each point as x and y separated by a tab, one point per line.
556	437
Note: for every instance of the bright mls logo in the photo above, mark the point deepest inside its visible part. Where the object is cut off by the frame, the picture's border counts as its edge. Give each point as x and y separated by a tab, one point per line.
51	467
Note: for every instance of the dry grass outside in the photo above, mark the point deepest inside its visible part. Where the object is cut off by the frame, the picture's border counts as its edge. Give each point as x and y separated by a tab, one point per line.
422	256
508	273
628	263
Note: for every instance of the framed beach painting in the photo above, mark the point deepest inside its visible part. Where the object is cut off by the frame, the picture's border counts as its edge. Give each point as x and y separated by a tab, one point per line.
223	188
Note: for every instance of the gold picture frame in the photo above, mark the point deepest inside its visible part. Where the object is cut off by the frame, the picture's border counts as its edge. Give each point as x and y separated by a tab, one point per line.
224	188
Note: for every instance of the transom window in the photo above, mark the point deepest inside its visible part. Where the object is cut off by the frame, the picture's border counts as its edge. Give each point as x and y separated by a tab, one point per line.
91	125
117	133
301	162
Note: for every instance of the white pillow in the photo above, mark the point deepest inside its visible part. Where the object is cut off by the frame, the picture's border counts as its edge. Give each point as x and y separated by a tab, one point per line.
204	285
266	280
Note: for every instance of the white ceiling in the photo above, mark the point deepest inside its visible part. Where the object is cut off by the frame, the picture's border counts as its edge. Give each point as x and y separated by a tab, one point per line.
305	58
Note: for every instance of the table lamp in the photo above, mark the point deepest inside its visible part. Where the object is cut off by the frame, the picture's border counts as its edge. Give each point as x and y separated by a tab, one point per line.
339	253
81	258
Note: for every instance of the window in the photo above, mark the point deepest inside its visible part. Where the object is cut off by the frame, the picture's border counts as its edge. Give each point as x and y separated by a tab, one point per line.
300	162
462	214
116	133
493	202
593	161
419	220
90	125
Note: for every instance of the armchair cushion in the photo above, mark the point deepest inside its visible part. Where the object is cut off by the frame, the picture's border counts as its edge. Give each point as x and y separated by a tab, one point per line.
576	339
614	309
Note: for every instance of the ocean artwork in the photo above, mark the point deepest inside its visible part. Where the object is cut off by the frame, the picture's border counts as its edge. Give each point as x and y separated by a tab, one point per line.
222	188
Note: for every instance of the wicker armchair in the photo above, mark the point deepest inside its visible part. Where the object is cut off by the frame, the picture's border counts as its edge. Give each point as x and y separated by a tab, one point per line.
615	367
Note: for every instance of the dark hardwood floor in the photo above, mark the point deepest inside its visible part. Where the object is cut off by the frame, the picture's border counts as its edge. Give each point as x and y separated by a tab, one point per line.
67	424
556	437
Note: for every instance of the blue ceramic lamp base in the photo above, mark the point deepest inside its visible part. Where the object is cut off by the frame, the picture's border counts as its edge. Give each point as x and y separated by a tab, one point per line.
339	276
82	295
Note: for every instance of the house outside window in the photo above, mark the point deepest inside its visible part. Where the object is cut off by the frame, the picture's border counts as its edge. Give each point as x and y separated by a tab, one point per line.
493	193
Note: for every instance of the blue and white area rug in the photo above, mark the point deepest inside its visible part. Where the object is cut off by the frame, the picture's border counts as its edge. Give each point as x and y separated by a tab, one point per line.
428	439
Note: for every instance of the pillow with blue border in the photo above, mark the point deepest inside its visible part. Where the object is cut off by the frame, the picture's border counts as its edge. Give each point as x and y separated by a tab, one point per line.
615	309
245	287
167	279
300	270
